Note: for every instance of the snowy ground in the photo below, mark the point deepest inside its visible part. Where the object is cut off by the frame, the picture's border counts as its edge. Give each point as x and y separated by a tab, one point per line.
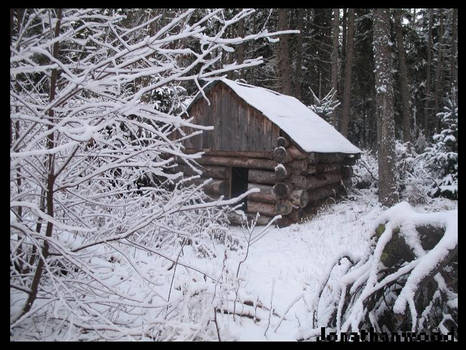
290	262
282	272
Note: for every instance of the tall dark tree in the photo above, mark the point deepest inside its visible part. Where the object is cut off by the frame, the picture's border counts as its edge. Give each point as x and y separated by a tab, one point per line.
384	107
335	67
345	118
403	78
299	54
438	82
454	49
284	67
428	97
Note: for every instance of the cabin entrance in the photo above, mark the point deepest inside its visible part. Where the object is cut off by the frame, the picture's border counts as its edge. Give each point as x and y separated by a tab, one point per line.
239	184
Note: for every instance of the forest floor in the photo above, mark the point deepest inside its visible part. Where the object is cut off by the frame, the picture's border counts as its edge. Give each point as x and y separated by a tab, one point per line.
285	268
279	276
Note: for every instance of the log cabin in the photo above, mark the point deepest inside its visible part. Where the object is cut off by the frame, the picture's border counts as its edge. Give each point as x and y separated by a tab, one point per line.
271	141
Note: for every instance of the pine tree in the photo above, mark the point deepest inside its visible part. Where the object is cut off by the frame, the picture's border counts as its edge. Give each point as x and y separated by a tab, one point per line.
442	156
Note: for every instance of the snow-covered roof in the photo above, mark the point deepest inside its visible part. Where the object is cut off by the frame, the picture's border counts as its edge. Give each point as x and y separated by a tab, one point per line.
306	128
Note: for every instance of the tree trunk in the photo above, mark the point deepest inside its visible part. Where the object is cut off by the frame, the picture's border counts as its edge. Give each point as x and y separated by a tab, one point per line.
50	180
299	53
345	119
427	110
388	194
454	50
438	73
334	56
403	74
241	48
284	68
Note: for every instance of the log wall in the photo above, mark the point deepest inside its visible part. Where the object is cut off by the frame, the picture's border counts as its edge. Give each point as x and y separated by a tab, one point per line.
291	182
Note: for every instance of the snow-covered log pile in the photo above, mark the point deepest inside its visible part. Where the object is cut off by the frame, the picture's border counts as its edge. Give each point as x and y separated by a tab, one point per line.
407	282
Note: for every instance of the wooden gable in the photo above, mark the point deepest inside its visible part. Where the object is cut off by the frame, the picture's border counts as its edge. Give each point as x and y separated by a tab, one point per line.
237	125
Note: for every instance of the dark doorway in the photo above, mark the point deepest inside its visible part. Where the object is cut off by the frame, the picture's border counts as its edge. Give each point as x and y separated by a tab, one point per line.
239	184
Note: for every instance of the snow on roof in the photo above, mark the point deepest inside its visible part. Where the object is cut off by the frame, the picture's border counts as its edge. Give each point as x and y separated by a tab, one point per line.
306	128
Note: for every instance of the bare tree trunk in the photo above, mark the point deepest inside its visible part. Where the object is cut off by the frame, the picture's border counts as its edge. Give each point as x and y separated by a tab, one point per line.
454	50
299	54
334	68
439	76
388	194
439	71
345	118
403	74
283	53
50	180
428	77
241	48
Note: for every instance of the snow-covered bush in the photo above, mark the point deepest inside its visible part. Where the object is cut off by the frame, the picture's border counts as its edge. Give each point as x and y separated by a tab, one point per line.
325	106
412	176
406	282
365	171
442	156
98	221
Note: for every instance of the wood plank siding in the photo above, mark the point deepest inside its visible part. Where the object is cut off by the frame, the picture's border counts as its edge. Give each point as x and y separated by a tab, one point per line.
237	125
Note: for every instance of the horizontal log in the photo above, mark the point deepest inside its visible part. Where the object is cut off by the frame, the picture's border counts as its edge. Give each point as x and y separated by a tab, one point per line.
296	154
299	166
261	176
316	158
330	157
282	207
252	154
253	163
265	195
311	169
282	142
236	219
266	209
318	194
313	181
299	198
280	155
346	159
217	188
216	172
185	169
326	167
281	190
